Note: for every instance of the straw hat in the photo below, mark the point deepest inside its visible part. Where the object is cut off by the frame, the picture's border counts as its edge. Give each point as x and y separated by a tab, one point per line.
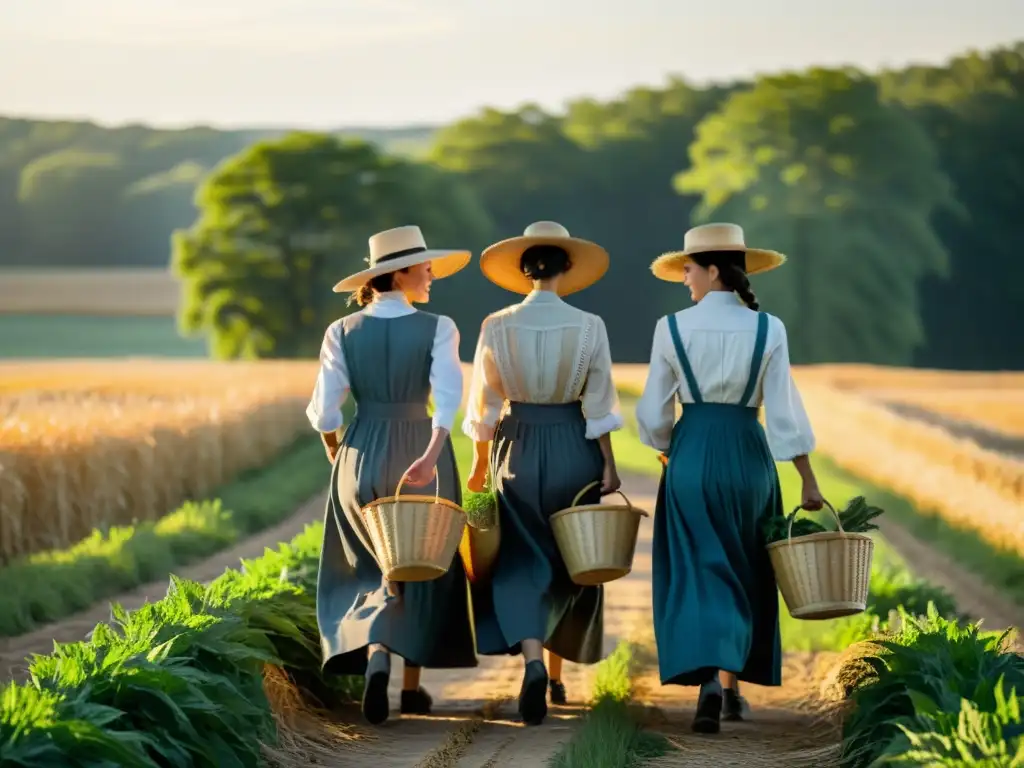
500	262
398	248
708	238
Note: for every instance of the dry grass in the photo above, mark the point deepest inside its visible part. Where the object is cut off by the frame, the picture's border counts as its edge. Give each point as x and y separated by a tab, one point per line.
89	445
965	485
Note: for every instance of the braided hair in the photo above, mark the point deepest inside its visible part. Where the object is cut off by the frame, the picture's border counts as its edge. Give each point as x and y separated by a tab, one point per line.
732	272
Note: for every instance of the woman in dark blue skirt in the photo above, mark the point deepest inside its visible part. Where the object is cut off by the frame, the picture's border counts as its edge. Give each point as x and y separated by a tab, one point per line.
550	364
392	359
716	609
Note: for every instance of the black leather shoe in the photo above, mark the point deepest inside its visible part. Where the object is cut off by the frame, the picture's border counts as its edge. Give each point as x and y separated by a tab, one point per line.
533	697
557	692
709	712
416	702
376	706
734	707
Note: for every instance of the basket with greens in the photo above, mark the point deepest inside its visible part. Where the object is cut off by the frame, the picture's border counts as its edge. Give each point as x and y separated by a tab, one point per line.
822	573
482	535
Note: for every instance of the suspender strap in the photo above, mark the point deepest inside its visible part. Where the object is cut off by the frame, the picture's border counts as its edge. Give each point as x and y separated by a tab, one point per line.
691	380
755	363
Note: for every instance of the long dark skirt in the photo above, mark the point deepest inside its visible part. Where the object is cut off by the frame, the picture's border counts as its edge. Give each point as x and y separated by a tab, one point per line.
428	624
540	460
715	600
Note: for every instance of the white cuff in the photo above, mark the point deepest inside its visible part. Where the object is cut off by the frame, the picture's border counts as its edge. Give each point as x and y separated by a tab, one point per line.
324	422
443	420
477	431
598	427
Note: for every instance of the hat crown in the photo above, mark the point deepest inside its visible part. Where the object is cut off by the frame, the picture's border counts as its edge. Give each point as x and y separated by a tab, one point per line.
408	239
546	229
714	237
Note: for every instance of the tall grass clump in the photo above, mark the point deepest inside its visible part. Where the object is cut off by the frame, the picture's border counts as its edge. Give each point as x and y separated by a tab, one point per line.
610	735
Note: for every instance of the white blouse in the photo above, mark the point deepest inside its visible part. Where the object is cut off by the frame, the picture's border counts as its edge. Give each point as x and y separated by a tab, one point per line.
542	350
718	335
332	382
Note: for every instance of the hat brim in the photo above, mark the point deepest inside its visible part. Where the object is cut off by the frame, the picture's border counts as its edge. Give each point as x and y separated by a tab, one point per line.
669	266
500	263
442	264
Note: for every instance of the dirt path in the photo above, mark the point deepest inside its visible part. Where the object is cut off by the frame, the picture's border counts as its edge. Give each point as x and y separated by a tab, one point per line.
972	594
15	650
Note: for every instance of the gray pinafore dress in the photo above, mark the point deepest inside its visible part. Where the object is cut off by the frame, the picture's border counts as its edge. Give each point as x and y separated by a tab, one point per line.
540	460
428	624
716	604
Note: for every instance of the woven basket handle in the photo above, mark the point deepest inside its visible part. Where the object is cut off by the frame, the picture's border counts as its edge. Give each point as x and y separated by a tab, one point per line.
437	485
591	485
835	514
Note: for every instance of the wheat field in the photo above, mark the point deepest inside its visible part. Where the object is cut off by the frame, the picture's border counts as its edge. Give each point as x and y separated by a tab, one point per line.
86	445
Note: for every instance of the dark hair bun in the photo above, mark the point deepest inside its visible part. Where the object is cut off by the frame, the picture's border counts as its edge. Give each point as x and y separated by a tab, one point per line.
540	262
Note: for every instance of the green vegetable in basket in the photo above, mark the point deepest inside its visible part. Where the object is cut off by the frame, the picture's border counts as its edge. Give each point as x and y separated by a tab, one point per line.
481	508
855	517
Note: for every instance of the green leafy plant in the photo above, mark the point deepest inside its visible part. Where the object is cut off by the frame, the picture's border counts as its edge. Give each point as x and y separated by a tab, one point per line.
965	737
481	508
855	517
930	665
178	682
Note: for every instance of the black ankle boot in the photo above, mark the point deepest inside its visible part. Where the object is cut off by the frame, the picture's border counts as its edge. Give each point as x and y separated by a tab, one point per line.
376	706
416	702
734	707
533	704
709	710
557	692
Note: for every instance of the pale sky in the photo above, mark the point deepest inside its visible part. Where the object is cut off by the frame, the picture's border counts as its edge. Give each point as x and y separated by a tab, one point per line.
324	63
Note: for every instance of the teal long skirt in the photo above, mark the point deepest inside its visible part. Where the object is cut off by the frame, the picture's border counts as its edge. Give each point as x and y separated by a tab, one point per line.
716	605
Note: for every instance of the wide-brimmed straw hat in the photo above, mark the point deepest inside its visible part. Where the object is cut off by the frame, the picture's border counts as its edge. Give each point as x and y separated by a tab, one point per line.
708	238
401	247
500	262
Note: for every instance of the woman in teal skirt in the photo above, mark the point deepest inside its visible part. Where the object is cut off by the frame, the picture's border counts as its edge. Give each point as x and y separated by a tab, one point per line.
550	364
716	610
391	358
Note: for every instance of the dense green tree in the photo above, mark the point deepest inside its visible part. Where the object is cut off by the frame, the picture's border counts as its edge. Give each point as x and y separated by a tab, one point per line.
973	111
817	166
282	221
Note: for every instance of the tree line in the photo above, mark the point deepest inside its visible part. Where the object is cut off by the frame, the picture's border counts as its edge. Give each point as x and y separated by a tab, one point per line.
895	195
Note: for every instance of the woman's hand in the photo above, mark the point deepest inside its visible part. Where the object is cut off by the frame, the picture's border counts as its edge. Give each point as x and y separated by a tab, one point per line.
477	478
610	481
811	498
421	471
481	467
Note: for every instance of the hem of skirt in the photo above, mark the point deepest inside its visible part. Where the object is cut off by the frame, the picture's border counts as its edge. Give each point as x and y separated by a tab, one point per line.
515	650
696	676
353	662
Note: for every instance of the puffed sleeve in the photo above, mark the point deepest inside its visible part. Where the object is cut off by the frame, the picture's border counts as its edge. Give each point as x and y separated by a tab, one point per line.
446	374
599	397
656	408
786	423
332	384
486	394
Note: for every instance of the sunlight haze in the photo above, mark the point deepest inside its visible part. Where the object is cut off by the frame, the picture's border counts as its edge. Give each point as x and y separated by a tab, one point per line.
319	63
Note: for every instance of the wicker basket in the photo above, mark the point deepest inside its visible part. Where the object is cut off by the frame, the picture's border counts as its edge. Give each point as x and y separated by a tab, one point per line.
597	541
414	537
823	575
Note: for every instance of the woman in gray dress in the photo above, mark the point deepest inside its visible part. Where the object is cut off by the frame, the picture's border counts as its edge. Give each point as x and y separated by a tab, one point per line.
391	358
551	363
